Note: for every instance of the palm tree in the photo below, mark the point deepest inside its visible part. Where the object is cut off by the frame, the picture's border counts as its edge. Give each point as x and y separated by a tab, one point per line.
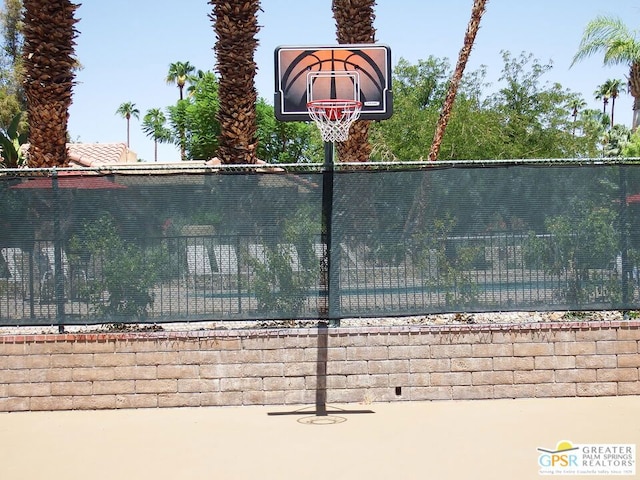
416	215
576	105
595	120
477	10
614	87
620	45
179	73
236	26
609	90
153	125
49	62
354	24
601	93
594	124
126	111
614	140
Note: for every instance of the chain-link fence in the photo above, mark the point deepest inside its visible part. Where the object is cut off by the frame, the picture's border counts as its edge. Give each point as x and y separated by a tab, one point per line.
145	244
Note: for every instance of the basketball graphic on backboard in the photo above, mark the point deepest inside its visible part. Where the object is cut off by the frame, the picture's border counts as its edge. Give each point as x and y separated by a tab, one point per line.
360	73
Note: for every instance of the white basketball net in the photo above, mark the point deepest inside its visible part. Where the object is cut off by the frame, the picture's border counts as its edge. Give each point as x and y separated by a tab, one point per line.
334	117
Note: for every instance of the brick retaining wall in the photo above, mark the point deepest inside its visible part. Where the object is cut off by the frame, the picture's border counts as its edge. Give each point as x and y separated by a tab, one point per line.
294	366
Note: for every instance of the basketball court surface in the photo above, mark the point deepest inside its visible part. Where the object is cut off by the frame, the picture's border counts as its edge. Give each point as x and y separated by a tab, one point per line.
480	439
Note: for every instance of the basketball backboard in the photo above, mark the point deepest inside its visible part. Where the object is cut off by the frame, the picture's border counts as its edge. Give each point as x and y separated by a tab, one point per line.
346	72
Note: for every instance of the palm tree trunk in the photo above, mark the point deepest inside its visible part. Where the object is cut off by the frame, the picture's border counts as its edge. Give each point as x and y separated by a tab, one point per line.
634	89
236	26
469	39
415	216
49	32
613	107
183	139
354	24
128	119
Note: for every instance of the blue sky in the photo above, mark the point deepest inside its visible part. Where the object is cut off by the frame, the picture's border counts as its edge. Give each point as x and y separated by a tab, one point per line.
126	47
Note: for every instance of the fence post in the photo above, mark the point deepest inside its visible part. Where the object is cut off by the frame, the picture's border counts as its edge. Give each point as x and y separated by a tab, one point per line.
58	274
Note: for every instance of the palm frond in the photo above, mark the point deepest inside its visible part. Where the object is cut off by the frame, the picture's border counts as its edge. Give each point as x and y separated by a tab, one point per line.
612	37
12	130
623	51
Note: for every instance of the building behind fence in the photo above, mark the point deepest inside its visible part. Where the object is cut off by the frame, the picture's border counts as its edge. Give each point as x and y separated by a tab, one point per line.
139	244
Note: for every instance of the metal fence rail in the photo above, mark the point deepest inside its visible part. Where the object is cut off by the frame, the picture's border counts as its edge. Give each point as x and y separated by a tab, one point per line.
190	244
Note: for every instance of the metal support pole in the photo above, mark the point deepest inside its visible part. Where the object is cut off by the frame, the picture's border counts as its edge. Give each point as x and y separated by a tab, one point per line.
333	272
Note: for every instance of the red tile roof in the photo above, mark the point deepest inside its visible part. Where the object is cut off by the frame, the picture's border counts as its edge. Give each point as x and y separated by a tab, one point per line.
96	154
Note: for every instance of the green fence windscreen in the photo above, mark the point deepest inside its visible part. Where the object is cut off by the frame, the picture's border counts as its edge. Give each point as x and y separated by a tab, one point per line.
188	245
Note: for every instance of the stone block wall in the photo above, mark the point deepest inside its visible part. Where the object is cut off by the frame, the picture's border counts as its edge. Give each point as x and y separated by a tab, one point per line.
300	366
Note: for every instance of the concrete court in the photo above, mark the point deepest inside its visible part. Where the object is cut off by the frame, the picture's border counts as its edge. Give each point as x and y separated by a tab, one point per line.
480	439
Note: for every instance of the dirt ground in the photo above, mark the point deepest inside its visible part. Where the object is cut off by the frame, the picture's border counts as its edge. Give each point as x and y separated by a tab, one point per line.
492	439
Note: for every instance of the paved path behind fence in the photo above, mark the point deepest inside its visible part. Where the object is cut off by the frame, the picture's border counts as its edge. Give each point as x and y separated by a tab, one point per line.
488	439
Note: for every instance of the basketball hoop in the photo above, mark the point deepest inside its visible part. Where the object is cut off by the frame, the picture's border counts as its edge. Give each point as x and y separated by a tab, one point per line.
334	117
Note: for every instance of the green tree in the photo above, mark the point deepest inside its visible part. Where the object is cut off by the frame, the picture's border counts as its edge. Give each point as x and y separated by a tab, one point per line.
127	271
127	110
154	126
614	140
620	46
583	241
11	71
281	288
632	148
178	121
196	117
286	142
526	118
535	116
422	85
594	124
10	106
419	90
279	142
194	79
11	17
